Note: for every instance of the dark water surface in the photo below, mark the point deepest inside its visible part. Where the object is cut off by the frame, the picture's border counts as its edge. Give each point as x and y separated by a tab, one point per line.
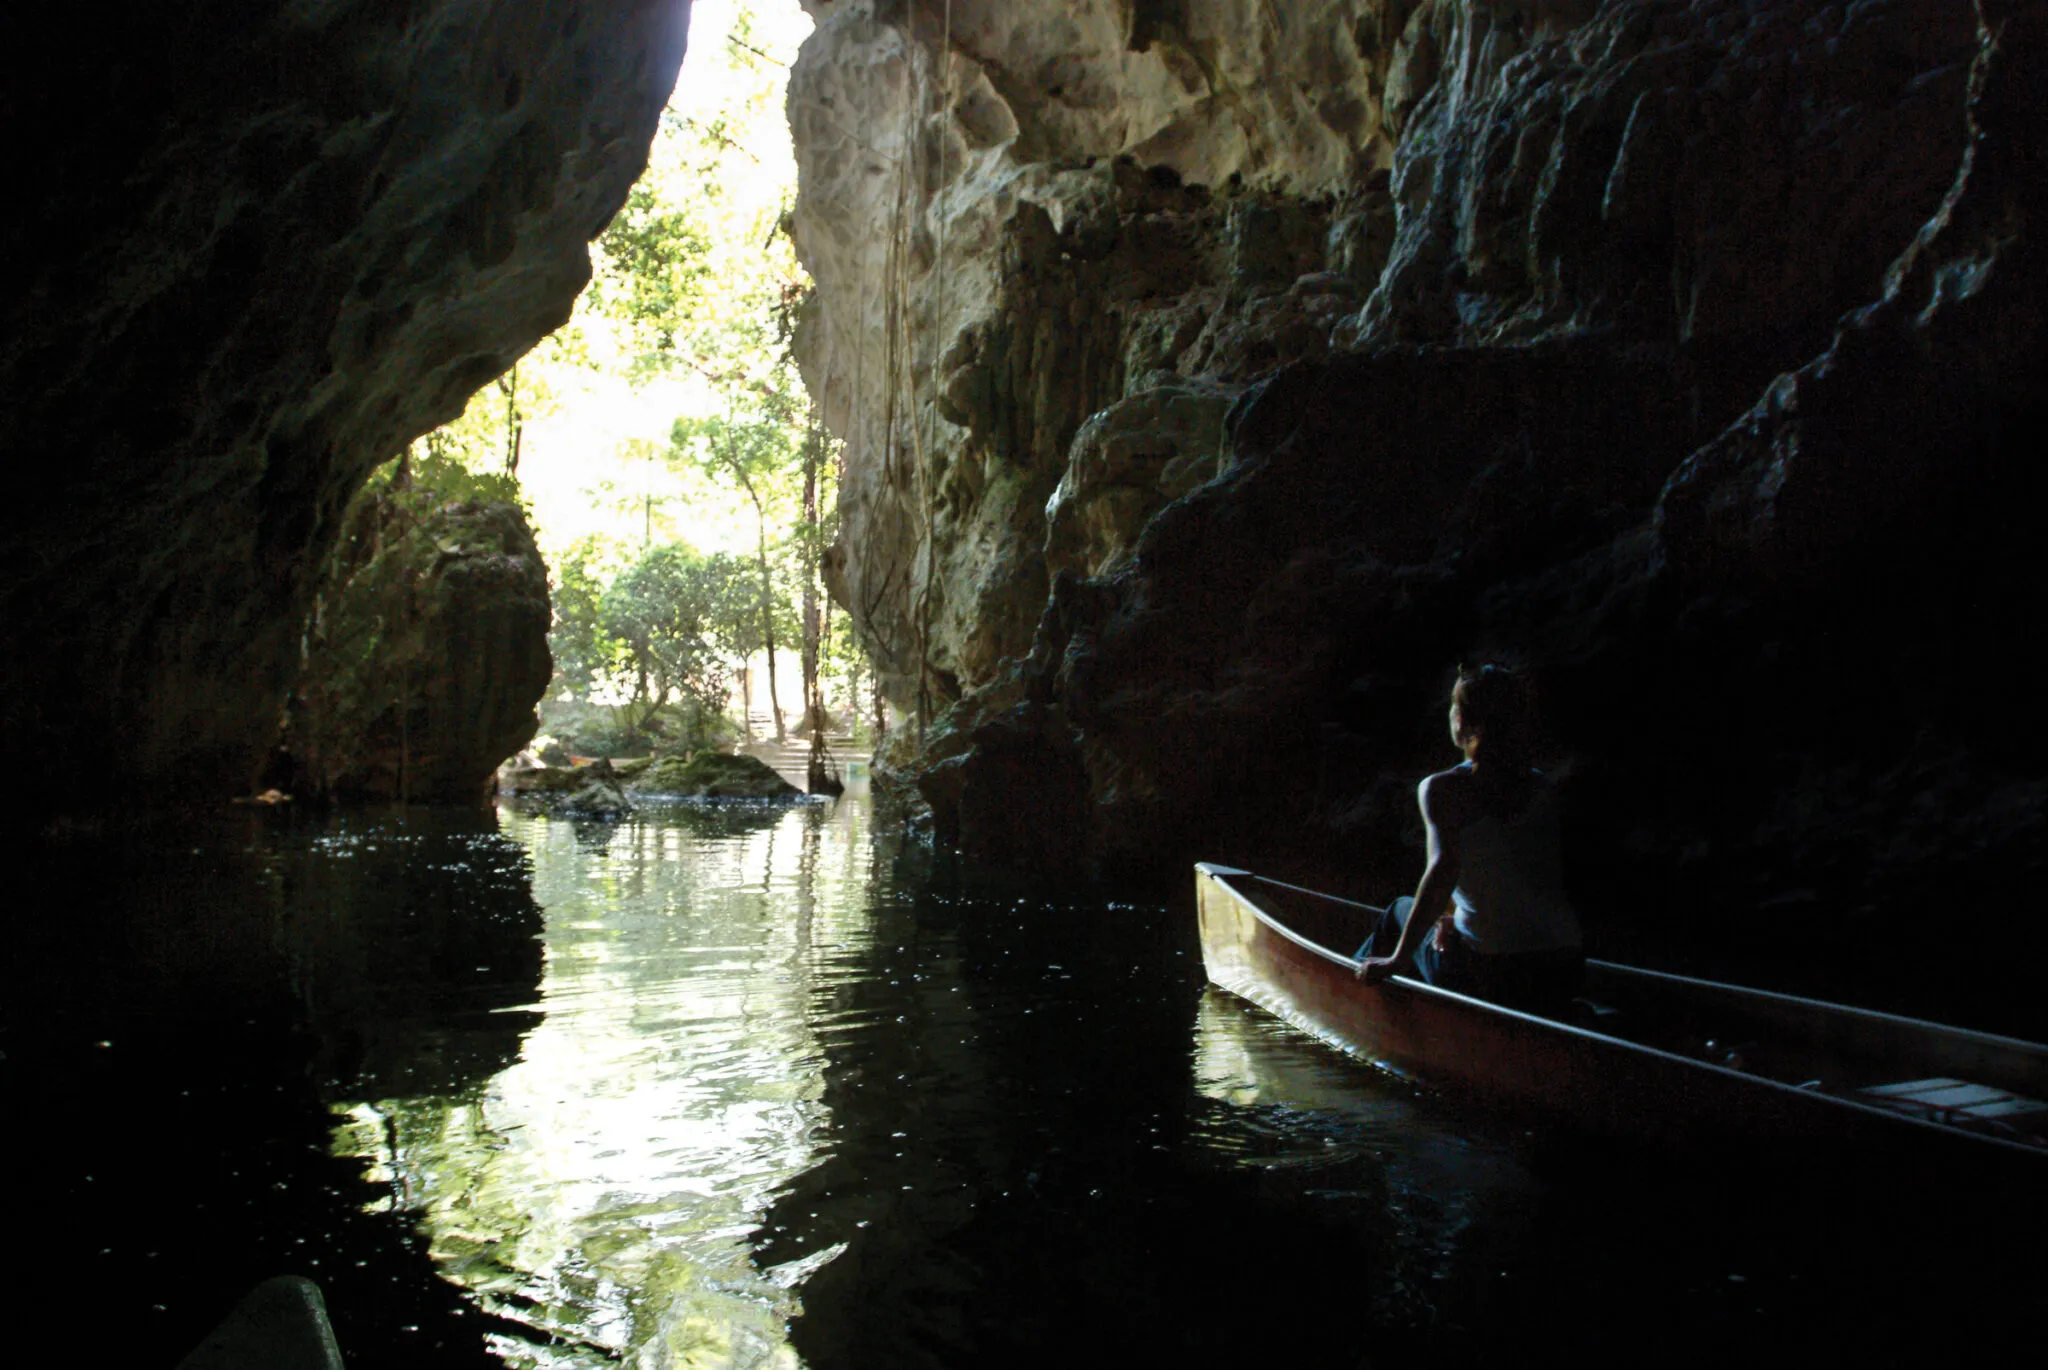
758	1087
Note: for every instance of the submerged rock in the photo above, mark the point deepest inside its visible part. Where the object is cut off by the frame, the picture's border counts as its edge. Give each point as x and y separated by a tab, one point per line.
711	775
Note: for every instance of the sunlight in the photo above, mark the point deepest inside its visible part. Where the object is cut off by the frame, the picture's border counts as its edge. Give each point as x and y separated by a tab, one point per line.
579	470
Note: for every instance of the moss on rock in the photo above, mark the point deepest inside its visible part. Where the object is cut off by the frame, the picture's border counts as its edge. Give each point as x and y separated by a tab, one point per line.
712	775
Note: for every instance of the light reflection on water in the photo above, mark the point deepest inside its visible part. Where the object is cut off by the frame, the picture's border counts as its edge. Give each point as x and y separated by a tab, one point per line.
604	1189
649	1182
780	1103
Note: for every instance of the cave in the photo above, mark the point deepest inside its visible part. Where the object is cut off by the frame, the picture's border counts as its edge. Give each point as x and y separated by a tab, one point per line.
1250	374
1214	378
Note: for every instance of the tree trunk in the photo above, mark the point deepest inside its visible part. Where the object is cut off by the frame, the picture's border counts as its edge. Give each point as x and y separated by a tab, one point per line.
768	632
767	613
814	703
514	427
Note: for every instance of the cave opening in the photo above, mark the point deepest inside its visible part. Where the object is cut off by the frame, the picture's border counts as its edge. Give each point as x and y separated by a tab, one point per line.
1104	427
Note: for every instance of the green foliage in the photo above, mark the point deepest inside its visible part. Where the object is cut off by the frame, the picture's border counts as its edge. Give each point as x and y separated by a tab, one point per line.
425	477
695	270
695	280
644	646
653	264
657	610
584	654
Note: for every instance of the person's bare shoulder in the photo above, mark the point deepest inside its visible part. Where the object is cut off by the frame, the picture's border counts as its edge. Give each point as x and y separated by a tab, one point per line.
1446	797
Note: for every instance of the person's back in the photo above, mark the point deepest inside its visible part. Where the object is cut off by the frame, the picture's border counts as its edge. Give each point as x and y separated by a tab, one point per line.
1510	892
1492	831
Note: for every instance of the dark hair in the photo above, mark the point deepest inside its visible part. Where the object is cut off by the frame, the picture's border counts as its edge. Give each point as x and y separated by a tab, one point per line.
1496	702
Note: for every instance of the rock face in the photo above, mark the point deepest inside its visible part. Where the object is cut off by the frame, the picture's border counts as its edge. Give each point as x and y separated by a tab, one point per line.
426	652
267	245
1684	349
1079	206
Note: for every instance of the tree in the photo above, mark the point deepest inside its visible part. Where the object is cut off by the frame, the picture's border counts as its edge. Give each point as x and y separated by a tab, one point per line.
755	450
657	609
585	654
642	643
652	265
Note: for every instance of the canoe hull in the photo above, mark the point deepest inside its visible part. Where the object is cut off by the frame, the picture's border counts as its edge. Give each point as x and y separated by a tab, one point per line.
1604	1083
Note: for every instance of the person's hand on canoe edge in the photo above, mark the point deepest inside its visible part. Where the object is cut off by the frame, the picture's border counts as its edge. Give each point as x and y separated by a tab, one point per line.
1374	970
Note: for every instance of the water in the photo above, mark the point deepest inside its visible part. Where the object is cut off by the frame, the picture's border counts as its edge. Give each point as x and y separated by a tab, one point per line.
760	1087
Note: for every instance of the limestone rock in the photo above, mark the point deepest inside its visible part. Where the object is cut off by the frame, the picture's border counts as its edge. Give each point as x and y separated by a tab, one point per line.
540	780
1128	460
712	775
264	253
426	653
1681	168
1074	200
1048	233
1759	521
596	797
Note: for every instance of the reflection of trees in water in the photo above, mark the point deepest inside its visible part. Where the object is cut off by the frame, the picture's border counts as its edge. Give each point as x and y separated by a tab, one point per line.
623	1275
602	1189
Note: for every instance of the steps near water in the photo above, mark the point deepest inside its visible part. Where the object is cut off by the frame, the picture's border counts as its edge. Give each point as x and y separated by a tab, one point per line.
791	757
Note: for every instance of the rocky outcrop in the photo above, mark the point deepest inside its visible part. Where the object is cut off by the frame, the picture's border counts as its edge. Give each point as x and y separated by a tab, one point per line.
425	654
267	245
711	775
1010	236
1079	208
604	788
1497	379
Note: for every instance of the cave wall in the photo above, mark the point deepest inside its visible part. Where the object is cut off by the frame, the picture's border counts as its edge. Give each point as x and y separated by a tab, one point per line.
1686	351
963	175
261	247
1024	220
425	653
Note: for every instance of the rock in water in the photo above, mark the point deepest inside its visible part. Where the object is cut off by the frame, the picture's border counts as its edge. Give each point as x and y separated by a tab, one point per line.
712	775
426	653
281	1325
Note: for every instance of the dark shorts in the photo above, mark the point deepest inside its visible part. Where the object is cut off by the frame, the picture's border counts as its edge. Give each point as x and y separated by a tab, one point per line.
1543	982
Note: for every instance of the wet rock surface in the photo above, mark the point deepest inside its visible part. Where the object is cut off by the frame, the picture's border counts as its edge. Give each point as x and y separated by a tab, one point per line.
264	247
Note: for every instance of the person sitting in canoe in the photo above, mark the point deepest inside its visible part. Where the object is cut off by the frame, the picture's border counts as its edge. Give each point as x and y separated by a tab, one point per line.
1493	855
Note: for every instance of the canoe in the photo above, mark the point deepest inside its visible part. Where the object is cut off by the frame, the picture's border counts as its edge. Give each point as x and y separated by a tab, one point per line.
1646	1055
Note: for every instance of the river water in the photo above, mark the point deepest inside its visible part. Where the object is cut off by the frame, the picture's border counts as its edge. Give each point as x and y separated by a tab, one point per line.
740	1086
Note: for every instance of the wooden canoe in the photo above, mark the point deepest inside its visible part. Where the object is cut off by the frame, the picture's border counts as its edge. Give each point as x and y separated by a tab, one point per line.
1651	1055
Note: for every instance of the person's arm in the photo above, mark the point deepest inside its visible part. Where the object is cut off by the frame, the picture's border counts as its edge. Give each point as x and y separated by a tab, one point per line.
1433	895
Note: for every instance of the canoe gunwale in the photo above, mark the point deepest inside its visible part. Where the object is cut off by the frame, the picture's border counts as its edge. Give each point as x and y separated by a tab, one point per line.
1795	1097
1867	1015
